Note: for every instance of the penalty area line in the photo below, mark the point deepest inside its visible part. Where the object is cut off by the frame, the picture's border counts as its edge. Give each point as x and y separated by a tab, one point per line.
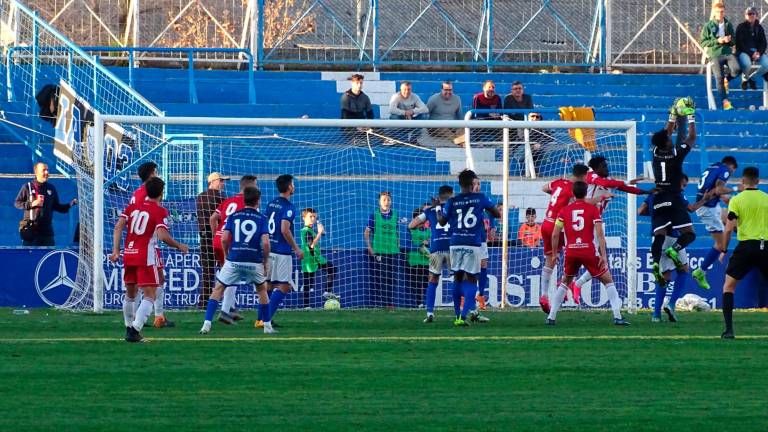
264	339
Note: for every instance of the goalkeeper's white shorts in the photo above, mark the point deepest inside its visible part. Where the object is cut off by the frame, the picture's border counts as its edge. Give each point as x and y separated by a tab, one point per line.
665	262
281	268
466	259
439	261
235	273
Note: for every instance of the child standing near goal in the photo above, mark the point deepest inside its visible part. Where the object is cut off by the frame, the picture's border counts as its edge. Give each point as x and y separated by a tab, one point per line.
147	223
465	213
582	224
245	238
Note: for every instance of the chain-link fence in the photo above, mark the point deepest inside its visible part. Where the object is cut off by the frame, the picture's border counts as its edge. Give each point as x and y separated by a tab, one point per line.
373	33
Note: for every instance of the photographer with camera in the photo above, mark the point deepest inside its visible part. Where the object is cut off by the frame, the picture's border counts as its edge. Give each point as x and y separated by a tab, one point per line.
39	199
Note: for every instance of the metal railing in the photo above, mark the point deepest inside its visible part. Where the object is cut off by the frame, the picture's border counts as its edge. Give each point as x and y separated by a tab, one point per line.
712	105
606	34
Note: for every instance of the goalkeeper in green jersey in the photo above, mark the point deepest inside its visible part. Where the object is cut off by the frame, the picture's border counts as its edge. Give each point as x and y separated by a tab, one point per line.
313	258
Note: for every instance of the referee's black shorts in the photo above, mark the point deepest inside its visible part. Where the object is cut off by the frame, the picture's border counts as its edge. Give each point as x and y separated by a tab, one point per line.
748	255
669	211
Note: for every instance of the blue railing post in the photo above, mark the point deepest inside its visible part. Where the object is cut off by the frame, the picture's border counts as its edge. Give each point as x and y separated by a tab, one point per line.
9	73
604	61
251	83
489	37
130	68
191	77
260	45
375	36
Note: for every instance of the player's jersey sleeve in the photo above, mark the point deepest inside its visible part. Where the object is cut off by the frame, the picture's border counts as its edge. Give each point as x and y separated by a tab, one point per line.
560	221
724	174
683	150
160	217
595	214
487	204
228	226
446	210
127	211
733	206
421	217
595	179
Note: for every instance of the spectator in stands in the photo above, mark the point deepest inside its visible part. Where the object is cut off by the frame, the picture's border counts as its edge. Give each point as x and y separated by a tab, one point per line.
206	204
529	234
540	139
750	48
518	99
406	105
355	105
39	199
444	106
487	100
717	38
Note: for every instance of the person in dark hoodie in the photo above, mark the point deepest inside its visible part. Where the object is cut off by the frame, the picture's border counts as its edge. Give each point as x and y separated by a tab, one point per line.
355	105
750	48
39	200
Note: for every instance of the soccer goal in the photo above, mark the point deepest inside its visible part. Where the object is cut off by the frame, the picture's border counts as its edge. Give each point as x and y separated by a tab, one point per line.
342	170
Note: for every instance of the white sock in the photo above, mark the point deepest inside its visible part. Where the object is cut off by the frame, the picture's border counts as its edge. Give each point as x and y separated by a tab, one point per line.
583	279
137	301
145	308
229	299
546	277
614	299
128	312
557	301
159	300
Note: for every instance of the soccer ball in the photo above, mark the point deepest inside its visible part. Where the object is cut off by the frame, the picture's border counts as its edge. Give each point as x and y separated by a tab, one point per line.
332	304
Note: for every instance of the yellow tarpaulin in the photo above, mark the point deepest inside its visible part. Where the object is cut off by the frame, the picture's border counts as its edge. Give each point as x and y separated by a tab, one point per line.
585	137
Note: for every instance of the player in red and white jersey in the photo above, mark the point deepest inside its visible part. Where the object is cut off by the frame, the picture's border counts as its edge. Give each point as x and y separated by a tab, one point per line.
146	171
562	194
582	225
218	220
600	188
147	223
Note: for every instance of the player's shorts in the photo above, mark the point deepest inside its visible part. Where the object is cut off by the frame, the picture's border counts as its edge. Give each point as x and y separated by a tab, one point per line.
234	273
218	254
142	276
670	211
465	259
748	255
711	217
665	262
439	261
484	250
546	235
591	263
280	268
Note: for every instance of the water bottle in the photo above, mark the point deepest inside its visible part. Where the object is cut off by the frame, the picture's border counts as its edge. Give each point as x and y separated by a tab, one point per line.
22	311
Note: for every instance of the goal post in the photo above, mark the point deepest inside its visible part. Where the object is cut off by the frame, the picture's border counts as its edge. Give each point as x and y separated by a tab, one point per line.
341	167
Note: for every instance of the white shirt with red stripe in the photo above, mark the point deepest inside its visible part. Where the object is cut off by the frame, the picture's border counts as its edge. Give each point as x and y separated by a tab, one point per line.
142	221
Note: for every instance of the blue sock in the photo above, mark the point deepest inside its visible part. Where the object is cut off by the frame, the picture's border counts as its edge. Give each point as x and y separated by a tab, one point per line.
483	281
212	306
680	281
263	311
457	297
274	303
431	291
470	290
711	256
658	299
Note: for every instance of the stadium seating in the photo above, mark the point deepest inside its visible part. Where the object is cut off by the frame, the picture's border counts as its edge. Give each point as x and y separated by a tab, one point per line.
316	94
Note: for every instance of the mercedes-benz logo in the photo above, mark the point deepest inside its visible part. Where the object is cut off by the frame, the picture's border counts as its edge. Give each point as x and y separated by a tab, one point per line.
55	276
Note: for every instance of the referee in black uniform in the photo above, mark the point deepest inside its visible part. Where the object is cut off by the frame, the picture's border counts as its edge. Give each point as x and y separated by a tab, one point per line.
748	215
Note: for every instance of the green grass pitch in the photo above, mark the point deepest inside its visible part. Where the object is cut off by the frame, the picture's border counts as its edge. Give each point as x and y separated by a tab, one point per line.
384	371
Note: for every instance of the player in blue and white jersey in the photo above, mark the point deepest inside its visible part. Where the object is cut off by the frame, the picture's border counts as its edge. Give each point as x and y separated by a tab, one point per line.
713	179
280	215
245	240
439	246
666	263
465	213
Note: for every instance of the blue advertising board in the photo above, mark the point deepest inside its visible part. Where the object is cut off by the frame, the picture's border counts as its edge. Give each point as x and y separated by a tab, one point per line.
41	277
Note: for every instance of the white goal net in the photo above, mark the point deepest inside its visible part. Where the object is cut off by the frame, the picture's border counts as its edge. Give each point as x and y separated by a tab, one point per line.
341	171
